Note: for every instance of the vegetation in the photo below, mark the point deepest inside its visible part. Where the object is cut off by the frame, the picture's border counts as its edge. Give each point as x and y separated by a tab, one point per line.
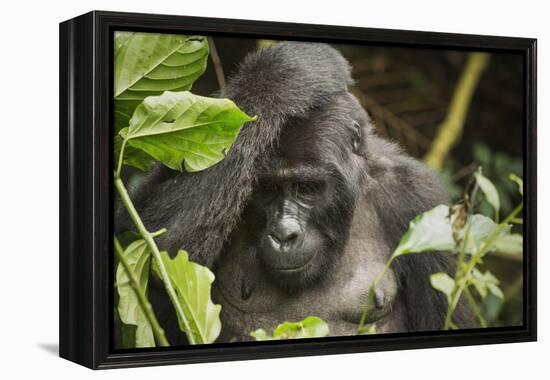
467	236
158	119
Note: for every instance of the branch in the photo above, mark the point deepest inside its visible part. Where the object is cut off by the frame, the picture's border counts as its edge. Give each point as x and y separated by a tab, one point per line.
218	68
450	130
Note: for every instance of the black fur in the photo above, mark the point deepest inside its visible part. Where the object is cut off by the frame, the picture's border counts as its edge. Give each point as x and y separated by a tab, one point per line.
284	84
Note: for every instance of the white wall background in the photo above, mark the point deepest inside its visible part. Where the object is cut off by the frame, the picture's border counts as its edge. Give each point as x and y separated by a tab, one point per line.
29	186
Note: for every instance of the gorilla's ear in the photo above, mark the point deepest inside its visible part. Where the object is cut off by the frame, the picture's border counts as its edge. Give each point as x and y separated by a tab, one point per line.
356	136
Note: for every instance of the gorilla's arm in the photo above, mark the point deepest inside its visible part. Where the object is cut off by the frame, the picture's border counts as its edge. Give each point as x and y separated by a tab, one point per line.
401	188
199	210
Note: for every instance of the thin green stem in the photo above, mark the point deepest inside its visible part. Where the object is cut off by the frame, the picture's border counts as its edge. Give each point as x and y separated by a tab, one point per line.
146	235
370	295
120	159
158	233
144	303
473	306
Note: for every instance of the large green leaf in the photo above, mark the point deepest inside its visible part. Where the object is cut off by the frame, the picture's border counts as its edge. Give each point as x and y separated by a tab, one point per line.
310	327
150	63
192	283
432	231
178	127
138	257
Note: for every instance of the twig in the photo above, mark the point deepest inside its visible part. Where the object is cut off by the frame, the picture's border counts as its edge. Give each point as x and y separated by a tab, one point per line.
144	304
451	129
463	172
218	68
473	306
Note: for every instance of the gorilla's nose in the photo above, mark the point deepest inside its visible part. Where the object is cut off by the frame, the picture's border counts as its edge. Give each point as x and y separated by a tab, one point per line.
286	234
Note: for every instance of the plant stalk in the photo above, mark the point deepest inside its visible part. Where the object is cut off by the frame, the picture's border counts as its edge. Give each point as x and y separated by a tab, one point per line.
476	260
146	235
473	306
450	130
144	303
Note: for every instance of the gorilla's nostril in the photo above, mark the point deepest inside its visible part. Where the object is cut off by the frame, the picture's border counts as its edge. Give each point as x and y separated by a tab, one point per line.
274	240
284	236
285	233
291	237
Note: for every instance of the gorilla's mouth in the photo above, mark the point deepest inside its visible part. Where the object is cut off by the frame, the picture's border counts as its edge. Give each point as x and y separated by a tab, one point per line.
288	263
293	270
291	275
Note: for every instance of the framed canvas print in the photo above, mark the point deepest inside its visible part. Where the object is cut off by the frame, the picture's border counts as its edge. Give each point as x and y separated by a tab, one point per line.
238	189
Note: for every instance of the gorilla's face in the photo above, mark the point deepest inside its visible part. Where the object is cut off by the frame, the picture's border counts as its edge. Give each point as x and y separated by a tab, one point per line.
291	202
301	211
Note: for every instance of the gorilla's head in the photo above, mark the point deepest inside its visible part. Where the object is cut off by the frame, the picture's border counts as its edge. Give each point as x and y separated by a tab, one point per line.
299	216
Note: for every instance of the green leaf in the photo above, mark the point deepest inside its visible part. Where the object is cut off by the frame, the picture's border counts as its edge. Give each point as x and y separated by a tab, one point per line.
368	329
490	191
138	256
310	327
150	63
192	283
485	283
178	127
481	227
432	231
260	335
519	182
155	62
444	283
511	244
496	291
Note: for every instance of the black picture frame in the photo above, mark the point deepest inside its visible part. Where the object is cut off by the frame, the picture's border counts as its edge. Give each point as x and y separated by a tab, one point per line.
86	46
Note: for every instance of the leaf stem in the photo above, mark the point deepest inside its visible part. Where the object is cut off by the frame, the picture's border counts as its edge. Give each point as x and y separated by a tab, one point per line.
148	237
370	295
473	306
144	303
120	158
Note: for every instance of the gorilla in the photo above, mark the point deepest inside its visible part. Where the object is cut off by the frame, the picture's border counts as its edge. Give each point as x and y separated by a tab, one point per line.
304	211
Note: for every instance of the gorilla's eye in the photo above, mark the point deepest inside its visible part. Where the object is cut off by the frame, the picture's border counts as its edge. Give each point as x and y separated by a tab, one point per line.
268	190
309	189
268	187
